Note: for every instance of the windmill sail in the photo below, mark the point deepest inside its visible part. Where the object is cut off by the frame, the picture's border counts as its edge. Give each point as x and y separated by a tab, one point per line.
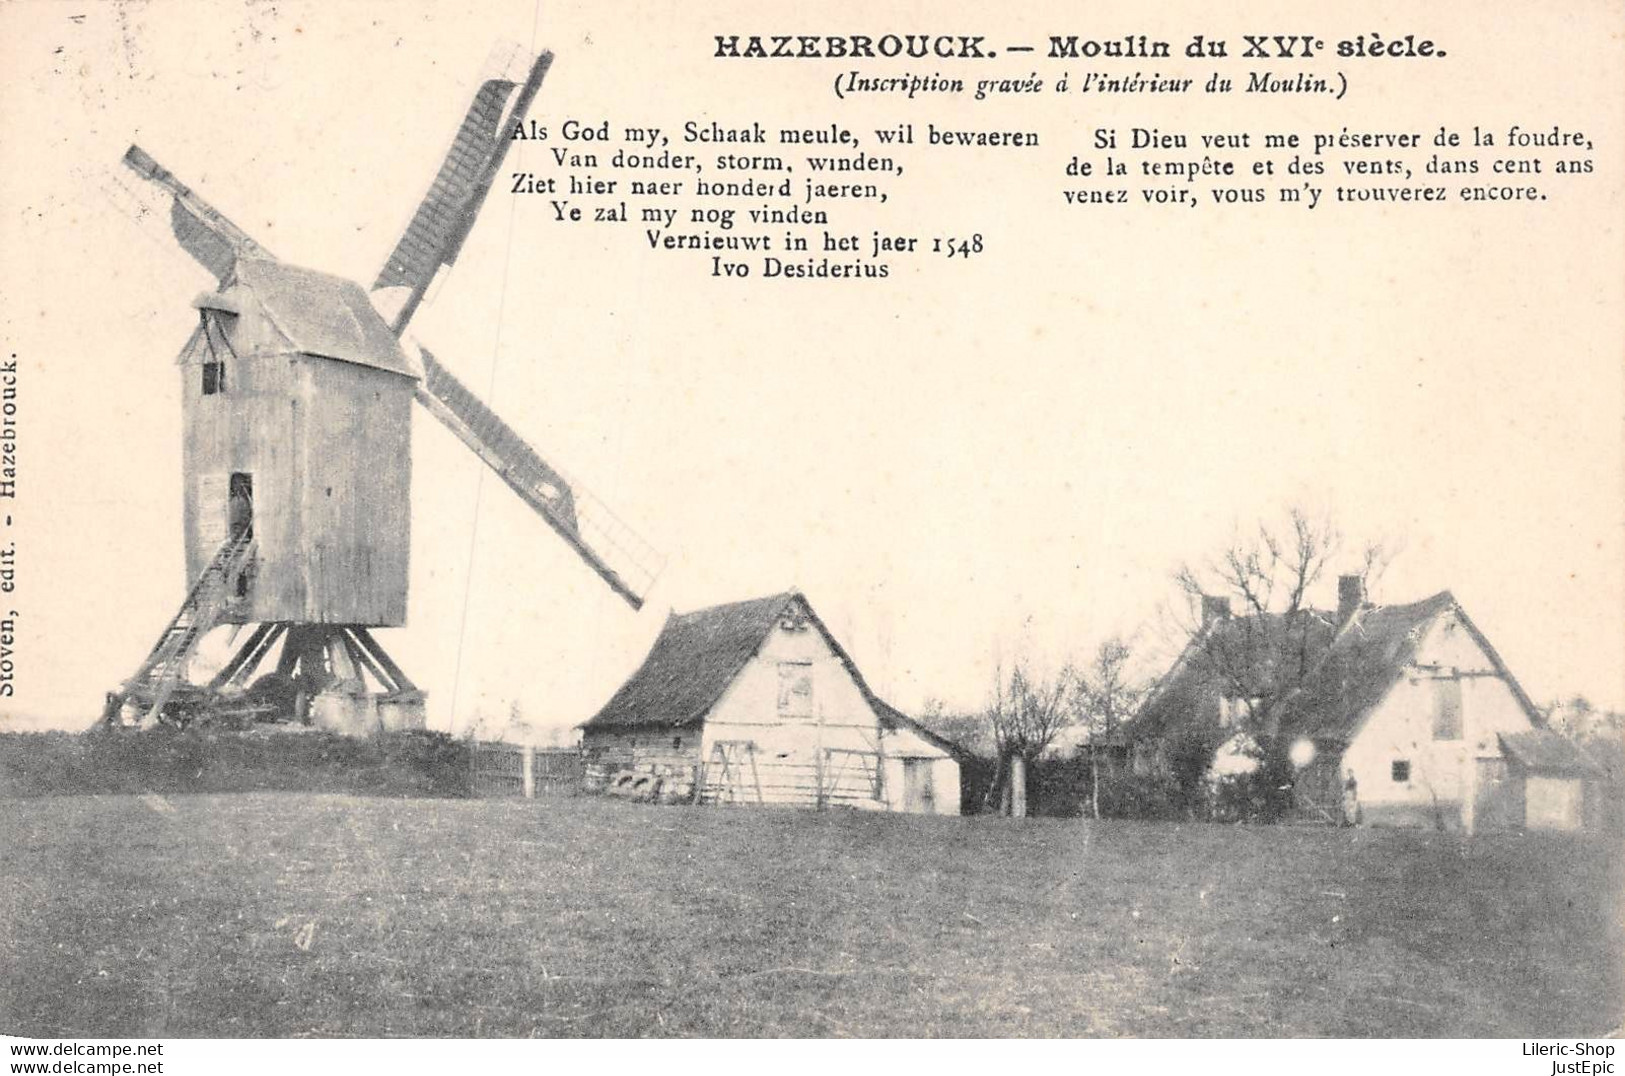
446	214
202	231
612	549
437	232
438	229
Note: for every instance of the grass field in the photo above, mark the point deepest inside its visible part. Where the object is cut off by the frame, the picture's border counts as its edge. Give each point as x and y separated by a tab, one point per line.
297	914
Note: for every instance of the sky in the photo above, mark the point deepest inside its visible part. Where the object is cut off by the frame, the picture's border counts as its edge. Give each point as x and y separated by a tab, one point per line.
968	462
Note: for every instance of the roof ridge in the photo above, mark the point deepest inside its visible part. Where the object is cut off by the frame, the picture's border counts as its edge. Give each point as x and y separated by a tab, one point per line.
1445	594
720	606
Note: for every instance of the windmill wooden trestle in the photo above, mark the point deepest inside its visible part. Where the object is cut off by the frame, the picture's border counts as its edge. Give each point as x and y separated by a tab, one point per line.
313	660
296	411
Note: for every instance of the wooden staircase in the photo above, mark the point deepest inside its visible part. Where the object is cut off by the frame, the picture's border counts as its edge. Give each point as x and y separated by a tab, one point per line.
164	670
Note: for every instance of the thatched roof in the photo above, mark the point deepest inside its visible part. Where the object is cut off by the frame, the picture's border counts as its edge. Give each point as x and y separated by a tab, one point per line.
698	654
1368	656
694	659
1255	656
1362	663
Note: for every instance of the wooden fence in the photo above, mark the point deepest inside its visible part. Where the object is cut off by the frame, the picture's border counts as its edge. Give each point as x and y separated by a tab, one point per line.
736	773
507	769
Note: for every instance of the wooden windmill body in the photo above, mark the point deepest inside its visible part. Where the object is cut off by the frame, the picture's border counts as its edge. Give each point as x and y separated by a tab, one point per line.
297	463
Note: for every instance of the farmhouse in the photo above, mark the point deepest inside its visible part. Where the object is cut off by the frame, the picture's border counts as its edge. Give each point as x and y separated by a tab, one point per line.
755	702
1410	703
1225	678
1415	705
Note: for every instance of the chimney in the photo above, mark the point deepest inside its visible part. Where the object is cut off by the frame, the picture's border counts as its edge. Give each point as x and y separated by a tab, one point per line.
1350	596
1214	607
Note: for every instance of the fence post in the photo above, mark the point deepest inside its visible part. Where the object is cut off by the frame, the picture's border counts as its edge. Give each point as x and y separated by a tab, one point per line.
527	758
1018	786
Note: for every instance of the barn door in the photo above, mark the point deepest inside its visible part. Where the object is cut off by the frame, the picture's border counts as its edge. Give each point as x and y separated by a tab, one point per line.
918	795
1496	799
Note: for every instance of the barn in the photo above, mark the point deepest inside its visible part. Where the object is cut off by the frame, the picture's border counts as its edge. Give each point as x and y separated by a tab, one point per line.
755	702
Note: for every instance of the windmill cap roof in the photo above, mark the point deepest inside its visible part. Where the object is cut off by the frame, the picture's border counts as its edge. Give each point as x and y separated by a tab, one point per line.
318	314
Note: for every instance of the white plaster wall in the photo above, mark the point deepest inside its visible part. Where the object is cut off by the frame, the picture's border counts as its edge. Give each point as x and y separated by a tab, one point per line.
1443	772
789	749
1554	803
945	775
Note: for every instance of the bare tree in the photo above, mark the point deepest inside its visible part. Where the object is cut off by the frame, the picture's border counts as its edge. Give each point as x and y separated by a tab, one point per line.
1256	637
1025	713
1582	721
1269	569
1106	696
968	729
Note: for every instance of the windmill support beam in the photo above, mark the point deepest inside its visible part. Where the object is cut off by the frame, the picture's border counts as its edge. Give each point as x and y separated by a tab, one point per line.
363	660
313	659
251	651
316	655
370	645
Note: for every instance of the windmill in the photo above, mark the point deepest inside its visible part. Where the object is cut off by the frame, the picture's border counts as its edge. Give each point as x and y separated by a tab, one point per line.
296	414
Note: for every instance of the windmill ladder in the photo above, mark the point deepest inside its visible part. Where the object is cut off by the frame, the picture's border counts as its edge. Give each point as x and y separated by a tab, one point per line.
165	667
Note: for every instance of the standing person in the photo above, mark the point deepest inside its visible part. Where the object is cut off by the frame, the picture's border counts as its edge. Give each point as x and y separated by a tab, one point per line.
1351	801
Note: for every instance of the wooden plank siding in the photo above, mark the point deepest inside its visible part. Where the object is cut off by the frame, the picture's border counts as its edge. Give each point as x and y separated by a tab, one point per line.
328	446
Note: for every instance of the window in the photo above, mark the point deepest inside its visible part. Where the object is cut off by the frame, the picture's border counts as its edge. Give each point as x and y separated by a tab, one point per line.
1401	770
795	689
1447	709
218	326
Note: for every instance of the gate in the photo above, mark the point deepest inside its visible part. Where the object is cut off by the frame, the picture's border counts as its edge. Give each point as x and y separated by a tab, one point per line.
506	769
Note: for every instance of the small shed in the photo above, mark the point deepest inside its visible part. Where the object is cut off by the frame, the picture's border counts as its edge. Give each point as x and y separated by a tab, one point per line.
296	411
755	702
1547	776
